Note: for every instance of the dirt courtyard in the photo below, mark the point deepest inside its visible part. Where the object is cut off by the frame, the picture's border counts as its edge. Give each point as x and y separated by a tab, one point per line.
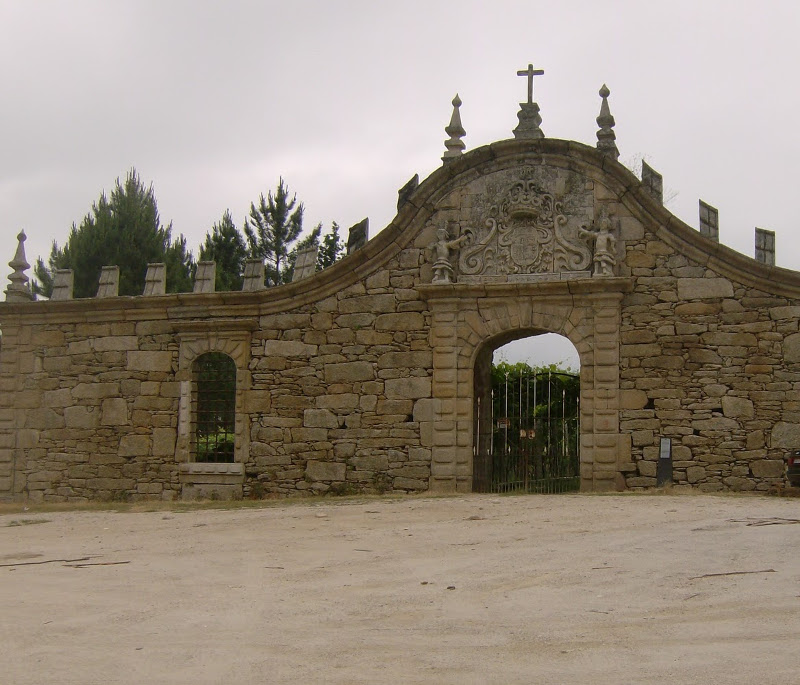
469	589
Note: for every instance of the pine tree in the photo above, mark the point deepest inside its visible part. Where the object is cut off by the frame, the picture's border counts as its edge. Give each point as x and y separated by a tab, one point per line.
122	230
273	225
331	249
225	245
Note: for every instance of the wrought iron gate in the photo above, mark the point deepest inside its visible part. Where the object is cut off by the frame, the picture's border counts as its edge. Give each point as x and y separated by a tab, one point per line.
528	437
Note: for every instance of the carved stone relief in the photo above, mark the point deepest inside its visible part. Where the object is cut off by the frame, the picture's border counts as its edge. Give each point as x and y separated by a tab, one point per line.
528	229
441	253
601	235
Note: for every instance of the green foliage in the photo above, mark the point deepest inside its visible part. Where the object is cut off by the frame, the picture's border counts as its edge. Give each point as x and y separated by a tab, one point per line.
535	428
122	230
501	369
180	267
558	389
215	448
272	233
331	249
43	277
225	245
271	228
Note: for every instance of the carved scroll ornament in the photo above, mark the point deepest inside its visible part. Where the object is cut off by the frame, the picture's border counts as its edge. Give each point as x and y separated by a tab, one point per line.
525	233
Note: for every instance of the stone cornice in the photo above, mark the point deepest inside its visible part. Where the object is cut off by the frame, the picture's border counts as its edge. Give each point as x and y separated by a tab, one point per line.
613	287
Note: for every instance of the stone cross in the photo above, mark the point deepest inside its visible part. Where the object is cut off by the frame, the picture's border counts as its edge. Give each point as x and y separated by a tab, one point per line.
530	72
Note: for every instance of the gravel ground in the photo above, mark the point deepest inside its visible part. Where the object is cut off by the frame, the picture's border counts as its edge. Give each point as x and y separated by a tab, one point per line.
468	589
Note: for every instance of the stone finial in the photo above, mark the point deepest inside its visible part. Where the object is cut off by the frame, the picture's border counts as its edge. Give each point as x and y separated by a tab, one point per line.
63	281
305	263
529	122
405	193
205	277
528	115
109	282
254	273
155	280
357	236
606	138
653	182
765	246
709	221
19	290
455	146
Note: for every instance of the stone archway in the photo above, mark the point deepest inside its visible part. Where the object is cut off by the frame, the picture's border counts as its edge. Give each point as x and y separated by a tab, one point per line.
467	318
532	463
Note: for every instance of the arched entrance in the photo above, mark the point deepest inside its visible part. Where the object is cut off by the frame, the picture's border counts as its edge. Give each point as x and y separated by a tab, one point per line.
527	416
469	321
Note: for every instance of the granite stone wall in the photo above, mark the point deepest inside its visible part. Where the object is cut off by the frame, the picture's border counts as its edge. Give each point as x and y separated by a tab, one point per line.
361	378
709	362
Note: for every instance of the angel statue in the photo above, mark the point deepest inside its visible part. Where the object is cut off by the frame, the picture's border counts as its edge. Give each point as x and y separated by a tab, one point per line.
439	252
605	245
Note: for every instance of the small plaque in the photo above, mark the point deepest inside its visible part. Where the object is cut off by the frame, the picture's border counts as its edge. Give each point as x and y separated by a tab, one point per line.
664	464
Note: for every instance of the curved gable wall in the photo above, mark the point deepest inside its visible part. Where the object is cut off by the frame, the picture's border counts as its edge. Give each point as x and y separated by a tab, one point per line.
360	378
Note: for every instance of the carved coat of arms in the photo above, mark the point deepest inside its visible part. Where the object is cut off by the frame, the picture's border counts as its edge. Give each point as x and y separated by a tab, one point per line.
525	233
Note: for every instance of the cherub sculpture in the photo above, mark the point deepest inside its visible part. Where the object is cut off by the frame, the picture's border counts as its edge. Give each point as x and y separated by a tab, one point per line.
439	251
605	246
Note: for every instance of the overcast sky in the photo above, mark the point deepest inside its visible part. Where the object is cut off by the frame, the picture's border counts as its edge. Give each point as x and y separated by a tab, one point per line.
212	102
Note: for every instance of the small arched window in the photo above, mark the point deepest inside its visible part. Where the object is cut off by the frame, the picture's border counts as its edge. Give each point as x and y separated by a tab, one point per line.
213	408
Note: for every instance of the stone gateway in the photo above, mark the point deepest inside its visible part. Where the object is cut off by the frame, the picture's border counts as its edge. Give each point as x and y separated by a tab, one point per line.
367	376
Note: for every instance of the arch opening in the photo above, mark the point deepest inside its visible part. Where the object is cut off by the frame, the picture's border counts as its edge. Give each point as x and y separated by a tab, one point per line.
527	414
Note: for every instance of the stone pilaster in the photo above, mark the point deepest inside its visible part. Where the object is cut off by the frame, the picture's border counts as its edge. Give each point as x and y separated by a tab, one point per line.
305	263
653	182
765	246
109	282
709	221
155	280
441	434
205	277
63	280
604	409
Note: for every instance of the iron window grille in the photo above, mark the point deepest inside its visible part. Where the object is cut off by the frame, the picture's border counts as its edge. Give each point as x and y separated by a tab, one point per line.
214	408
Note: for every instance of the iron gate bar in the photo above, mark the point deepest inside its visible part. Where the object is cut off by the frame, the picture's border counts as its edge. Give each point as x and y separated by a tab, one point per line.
534	450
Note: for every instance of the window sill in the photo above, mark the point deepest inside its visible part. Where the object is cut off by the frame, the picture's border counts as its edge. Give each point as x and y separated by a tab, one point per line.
211	481
211	468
